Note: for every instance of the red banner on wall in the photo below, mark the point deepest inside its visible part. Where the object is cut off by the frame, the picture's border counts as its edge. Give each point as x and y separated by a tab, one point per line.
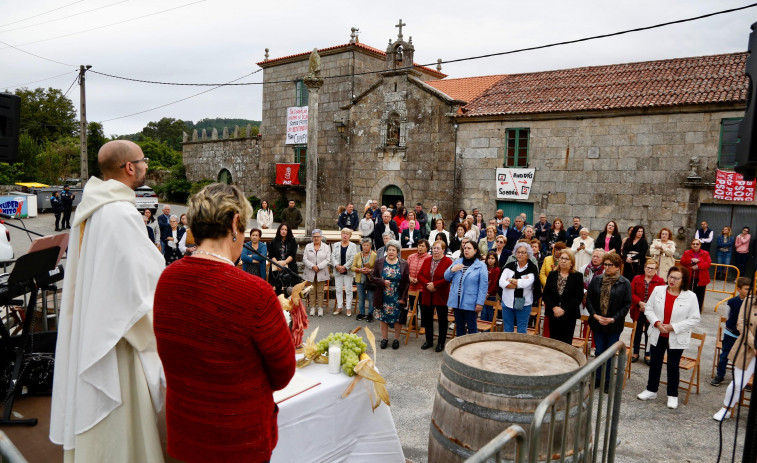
287	174
731	186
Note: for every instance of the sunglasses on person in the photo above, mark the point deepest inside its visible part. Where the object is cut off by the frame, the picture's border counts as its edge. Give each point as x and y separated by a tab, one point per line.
609	264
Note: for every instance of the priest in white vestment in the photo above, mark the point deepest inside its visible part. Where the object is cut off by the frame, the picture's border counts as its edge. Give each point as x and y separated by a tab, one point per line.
107	388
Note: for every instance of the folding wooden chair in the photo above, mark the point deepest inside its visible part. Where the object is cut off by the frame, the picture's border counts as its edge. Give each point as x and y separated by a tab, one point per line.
581	341
719	347
490	326
690	363
412	317
629	350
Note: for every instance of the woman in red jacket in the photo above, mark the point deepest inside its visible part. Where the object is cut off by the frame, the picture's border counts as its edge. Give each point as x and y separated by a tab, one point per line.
223	341
641	288
698	263
434	295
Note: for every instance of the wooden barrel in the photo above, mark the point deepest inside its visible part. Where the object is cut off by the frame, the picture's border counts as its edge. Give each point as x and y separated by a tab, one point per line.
489	381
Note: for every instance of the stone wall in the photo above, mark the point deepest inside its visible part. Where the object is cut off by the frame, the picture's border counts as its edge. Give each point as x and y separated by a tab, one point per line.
240	156
628	168
423	163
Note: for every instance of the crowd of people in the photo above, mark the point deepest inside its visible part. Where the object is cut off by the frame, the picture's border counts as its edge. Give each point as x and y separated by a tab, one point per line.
181	343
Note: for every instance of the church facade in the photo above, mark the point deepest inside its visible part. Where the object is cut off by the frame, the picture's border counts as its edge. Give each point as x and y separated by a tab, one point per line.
638	142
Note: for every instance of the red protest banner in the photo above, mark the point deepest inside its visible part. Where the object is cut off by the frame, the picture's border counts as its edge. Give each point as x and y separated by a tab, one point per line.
731	186
287	174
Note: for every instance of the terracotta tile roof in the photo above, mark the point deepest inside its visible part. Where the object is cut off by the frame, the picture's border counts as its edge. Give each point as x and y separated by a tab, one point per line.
673	82
465	89
376	51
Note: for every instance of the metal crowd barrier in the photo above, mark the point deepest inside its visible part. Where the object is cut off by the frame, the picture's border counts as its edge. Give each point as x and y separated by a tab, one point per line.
8	452
576	400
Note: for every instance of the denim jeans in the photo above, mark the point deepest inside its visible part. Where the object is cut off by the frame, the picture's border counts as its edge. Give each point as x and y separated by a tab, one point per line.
728	343
511	318
603	342
362	293
724	257
487	313
465	322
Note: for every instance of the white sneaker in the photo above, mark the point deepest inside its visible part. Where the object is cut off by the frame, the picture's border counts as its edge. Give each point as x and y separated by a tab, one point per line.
647	395
722	414
312	311
672	402
320	311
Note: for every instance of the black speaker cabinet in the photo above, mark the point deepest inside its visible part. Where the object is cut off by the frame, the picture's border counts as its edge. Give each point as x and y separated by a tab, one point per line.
10	121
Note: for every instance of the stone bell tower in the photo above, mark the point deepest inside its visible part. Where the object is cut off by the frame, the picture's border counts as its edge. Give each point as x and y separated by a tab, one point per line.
399	54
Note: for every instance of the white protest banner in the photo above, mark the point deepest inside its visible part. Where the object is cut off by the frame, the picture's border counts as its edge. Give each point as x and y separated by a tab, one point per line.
297	125
514	183
731	186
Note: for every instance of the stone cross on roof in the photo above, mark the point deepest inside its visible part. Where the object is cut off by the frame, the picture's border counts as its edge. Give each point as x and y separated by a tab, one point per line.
399	36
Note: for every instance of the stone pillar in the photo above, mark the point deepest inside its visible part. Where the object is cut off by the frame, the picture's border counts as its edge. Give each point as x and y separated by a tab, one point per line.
313	81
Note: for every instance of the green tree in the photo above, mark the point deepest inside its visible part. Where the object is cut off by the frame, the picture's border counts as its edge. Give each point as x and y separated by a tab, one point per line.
161	155
47	114
95	140
59	160
168	130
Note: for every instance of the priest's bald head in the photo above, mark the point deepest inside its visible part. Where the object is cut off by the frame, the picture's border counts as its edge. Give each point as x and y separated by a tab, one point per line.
124	161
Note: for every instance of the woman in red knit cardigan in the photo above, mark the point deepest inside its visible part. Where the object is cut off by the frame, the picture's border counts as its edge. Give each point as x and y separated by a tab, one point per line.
223	341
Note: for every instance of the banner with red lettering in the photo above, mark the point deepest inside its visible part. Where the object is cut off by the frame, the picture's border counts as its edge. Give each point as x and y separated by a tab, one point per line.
287	174
731	186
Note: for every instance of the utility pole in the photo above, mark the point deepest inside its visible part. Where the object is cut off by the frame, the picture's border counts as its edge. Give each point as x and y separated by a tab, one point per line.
83	170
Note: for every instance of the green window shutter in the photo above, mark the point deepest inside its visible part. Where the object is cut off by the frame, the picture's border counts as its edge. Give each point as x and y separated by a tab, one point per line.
516	147
729	138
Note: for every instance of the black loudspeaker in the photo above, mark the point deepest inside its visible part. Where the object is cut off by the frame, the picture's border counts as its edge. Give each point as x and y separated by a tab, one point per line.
746	149
10	121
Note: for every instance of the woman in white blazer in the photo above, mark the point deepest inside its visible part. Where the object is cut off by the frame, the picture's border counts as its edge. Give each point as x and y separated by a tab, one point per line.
265	215
316	259
342	255
672	312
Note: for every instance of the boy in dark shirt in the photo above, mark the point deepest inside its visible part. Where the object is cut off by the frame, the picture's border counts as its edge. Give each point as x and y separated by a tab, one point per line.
730	334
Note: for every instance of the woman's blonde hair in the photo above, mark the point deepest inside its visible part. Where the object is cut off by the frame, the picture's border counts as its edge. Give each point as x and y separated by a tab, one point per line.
568	252
212	209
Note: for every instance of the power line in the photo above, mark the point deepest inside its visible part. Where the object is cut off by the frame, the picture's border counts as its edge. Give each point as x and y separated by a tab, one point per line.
36	56
72	85
509	52
34	81
107	25
41	14
182	99
64	17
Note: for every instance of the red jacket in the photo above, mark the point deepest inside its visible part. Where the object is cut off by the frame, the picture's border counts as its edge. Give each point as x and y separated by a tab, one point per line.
493	281
637	292
438	297
703	268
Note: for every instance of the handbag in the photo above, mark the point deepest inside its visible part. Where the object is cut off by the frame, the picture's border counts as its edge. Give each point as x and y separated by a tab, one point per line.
519	303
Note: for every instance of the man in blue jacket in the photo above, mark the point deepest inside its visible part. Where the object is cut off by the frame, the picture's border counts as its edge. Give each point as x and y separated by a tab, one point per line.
348	218
164	223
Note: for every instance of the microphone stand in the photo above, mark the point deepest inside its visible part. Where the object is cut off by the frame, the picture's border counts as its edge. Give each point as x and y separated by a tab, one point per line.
23	228
281	267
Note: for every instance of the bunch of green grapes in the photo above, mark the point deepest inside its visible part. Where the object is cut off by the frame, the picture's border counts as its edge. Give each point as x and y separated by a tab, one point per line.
352	346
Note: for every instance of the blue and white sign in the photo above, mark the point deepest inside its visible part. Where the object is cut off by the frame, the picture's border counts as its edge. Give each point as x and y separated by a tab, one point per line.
14	205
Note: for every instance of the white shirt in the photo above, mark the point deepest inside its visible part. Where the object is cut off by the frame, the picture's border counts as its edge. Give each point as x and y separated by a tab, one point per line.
525	282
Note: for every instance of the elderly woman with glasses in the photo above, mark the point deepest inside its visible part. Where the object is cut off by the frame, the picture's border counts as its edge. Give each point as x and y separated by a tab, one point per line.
697	262
608	301
223	351
562	297
342	255
641	287
391	278
362	267
520	289
316	259
672	314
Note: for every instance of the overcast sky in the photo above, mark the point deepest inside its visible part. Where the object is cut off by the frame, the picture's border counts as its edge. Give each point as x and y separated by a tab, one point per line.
211	41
